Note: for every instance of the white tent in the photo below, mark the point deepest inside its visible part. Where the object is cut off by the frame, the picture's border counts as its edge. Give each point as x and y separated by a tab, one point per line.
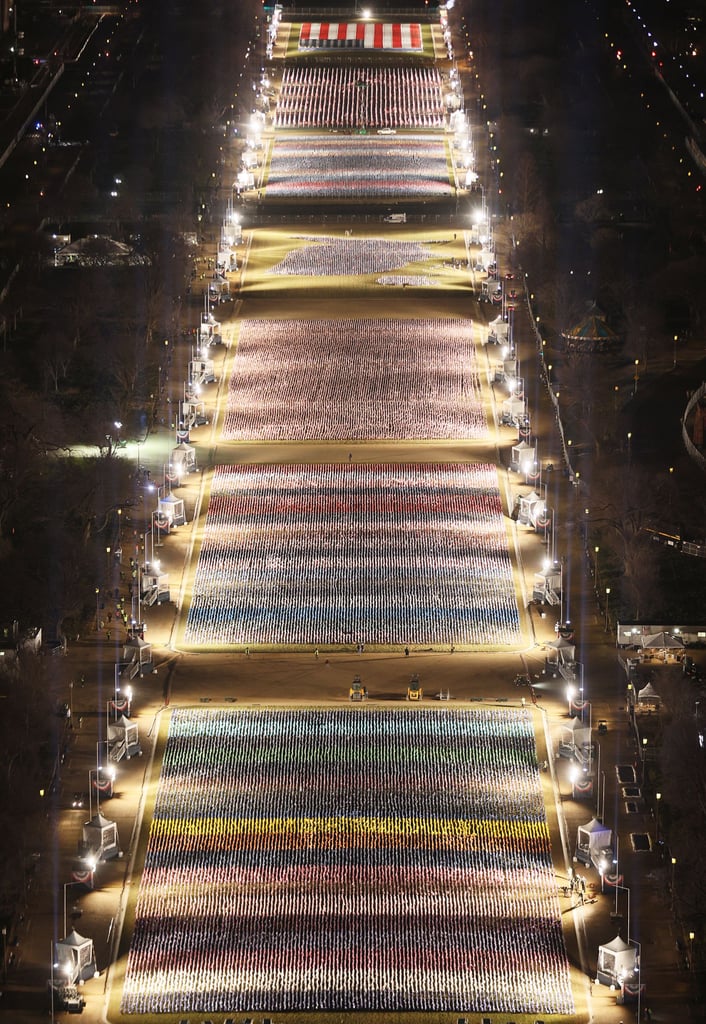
183	460
123	739
513	411
170	511
75	957
528	506
100	836
561	651
155	590
593	841
547	585
138	654
575	735
523	456
616	961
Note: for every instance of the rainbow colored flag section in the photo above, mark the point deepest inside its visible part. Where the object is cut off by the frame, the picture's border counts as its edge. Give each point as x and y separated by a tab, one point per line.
341	553
348	860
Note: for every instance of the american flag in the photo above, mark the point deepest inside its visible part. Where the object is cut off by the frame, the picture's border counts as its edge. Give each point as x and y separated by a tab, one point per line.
360	34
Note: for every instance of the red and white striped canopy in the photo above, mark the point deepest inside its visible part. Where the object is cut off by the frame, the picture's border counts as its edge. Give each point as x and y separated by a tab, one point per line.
362	34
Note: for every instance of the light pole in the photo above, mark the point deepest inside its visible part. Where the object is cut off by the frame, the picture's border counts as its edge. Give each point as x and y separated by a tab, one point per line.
638	970
625	889
607	612
116	687
658	797
674	864
629	448
692	936
66	886
51	982
98	614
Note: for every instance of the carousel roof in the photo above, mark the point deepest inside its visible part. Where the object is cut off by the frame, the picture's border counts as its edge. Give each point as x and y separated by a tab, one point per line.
592	328
99	249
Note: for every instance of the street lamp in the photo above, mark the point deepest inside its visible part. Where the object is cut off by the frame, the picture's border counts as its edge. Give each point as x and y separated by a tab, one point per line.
573	777
692	936
607	613
98	594
570	694
674	864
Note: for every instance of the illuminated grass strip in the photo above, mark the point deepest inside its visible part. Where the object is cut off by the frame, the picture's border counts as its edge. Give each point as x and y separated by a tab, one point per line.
334	554
277	879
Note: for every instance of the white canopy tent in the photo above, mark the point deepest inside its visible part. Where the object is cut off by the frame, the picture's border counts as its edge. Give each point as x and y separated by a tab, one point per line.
170	510
561	651
100	837
202	371
138	655
528	507
486	257
123	739
593	842
183	460
155	590
498	331
75	957
523	455
617	960
574	737
513	412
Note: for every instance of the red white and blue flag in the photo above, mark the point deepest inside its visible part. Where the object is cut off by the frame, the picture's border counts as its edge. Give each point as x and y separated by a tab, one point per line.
360	34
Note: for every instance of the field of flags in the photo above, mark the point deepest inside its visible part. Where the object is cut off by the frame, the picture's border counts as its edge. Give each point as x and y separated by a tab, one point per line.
354	553
357	859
